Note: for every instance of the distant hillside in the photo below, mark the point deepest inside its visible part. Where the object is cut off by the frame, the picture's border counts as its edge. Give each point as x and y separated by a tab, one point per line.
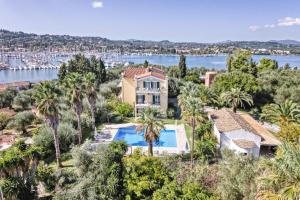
13	40
287	42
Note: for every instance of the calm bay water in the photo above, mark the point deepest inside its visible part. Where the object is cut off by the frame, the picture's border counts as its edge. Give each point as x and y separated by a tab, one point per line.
216	62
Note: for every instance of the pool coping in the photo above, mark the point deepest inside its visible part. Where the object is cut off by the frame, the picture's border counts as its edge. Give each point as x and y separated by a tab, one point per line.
181	138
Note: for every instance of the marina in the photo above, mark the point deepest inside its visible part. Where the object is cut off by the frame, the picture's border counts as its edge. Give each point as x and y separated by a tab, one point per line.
45	66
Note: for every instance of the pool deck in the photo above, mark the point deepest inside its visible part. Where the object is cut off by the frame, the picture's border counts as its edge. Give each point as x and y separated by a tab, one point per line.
109	131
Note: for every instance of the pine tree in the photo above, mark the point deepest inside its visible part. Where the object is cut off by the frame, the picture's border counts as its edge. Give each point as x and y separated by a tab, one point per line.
182	66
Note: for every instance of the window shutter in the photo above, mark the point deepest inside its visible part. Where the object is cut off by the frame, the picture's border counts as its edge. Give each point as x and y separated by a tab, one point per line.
144	84
151	84
158	85
143	98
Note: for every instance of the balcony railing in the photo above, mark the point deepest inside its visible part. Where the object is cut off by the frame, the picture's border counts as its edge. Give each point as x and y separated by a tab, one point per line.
147	90
147	104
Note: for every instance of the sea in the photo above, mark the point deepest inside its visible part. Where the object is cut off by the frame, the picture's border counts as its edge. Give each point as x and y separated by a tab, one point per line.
212	62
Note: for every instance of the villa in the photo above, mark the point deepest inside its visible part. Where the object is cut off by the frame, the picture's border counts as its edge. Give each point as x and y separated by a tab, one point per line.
241	133
145	87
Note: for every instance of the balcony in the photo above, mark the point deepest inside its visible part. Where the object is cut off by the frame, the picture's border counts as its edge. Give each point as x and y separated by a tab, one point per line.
148	90
147	104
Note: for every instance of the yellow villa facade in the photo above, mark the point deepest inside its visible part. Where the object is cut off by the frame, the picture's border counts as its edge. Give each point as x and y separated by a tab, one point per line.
145	87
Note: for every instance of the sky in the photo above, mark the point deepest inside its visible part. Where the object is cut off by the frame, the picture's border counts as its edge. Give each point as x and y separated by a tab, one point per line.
174	20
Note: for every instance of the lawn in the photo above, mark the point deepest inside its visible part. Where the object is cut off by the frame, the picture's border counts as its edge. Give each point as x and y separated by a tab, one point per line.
188	131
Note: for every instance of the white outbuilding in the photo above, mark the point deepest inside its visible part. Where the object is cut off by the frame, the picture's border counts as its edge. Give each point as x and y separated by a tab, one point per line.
241	133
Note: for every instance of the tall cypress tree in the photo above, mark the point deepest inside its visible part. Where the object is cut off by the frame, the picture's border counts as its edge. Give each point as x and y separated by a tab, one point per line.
182	66
229	63
94	64
102	71
146	64
62	72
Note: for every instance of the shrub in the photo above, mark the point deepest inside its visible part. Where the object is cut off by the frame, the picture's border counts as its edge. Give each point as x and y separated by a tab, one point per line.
4	119
7	97
46	176
187	191
21	102
102	177
124	110
21	121
44	139
236	177
144	175
171	113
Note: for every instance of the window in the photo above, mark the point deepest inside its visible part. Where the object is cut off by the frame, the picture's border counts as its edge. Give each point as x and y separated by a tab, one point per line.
147	85
155	85
151	85
156	99
140	99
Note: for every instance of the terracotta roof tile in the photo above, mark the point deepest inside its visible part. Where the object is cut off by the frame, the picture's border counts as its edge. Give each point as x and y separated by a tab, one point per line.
157	75
131	72
140	72
267	137
226	121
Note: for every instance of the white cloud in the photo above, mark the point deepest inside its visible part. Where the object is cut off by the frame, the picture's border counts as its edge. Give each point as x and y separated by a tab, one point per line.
269	26
289	21
97	4
254	28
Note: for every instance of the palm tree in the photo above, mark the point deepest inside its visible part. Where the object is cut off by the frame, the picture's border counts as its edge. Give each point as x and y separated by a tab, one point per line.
189	89
75	90
192	112
91	94
236	97
151	126
281	177
282	113
191	108
47	98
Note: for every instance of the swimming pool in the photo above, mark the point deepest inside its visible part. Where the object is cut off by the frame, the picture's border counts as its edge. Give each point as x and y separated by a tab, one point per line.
134	138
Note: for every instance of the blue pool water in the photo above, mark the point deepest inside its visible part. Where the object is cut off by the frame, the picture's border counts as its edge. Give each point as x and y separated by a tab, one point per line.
132	138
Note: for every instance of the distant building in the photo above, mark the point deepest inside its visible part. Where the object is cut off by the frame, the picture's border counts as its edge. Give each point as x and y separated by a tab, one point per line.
145	87
241	133
16	85
209	78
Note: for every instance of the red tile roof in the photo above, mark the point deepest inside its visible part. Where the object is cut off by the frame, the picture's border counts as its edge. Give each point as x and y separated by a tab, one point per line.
132	72
226	121
157	75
